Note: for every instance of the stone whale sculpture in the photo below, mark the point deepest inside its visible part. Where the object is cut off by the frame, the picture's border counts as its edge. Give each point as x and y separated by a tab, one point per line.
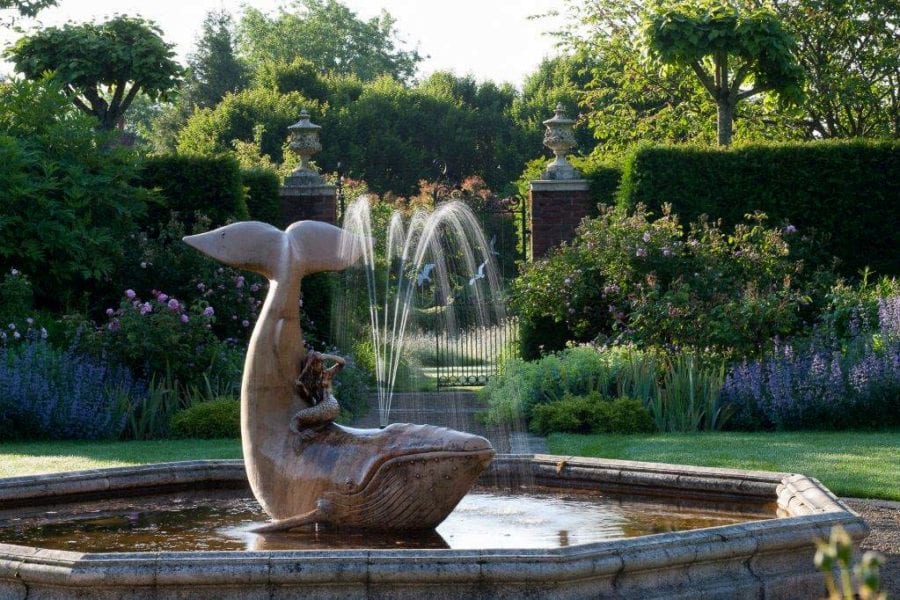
307	469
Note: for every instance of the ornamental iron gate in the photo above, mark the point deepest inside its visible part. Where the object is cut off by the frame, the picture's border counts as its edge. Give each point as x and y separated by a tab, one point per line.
471	355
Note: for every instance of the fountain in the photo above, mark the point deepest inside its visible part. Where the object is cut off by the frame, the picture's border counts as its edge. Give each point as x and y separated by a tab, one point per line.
433	251
332	490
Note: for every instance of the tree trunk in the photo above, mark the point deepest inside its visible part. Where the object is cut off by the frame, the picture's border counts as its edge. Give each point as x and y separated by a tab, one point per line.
725	117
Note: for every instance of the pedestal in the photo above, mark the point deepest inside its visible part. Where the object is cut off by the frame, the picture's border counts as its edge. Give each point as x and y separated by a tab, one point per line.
557	207
302	200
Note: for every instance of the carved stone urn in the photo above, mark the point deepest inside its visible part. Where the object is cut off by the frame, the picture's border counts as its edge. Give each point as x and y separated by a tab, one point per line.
560	138
304	142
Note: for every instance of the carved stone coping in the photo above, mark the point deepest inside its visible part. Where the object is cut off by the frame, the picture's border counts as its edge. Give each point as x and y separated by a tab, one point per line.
559	185
770	558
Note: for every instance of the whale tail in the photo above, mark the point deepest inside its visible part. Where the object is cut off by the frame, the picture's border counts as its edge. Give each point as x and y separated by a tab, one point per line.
312	246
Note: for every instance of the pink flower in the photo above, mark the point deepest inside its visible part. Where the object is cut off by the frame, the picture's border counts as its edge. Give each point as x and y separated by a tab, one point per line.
113	325
239	282
254	288
146	308
162	297
130	294
201	286
110	312
184	318
208	311
173	304
641	252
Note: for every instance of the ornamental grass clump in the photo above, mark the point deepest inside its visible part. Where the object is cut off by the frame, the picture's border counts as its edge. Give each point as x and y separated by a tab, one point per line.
51	394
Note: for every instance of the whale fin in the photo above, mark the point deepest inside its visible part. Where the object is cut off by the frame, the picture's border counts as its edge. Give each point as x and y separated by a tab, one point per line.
321	246
250	245
309	518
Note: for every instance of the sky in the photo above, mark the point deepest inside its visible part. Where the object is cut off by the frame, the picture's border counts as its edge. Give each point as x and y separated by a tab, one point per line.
489	39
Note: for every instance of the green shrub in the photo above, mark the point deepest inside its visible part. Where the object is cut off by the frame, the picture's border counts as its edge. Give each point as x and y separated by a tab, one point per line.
521	385
219	418
846	191
159	261
540	335
629	278
164	336
195	184
263	201
67	195
591	414
352	388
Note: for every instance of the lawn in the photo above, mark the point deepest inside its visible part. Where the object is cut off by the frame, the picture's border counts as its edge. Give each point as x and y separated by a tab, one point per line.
865	465
27	458
855	464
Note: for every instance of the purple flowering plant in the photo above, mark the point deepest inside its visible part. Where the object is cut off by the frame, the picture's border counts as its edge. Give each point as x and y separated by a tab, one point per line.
845	375
47	393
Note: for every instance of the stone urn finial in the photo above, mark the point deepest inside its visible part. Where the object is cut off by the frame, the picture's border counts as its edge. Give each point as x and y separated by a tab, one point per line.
560	138
305	142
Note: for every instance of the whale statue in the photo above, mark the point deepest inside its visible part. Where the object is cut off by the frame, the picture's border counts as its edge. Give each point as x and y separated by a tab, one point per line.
303	468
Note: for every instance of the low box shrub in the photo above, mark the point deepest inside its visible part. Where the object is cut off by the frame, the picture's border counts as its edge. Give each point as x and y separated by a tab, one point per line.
846	191
591	413
218	418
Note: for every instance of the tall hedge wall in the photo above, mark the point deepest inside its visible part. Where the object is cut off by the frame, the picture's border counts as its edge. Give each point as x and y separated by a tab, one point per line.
849	191
187	184
263	202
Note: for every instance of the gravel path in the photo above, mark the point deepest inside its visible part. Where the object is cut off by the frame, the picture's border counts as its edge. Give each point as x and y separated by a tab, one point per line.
884	519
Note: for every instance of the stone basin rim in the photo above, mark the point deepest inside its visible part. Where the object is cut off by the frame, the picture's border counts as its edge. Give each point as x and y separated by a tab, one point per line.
809	511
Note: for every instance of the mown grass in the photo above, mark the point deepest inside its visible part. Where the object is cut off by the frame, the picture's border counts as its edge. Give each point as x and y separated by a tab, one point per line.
28	458
851	464
864	465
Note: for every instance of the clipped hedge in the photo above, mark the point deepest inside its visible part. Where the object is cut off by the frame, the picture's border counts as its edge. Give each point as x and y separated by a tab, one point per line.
847	192
263	202
188	184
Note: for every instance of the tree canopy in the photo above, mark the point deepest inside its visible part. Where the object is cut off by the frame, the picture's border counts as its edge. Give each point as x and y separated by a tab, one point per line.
850	53
27	8
329	35
726	47
215	68
102	67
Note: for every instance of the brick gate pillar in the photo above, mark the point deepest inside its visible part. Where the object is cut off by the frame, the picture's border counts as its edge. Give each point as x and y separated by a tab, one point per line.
560	199
557	207
304	194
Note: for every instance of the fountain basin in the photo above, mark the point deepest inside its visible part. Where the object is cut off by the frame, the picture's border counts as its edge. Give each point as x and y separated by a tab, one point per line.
769	558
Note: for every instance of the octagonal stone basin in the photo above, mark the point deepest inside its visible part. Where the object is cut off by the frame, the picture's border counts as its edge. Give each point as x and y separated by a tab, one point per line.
769	558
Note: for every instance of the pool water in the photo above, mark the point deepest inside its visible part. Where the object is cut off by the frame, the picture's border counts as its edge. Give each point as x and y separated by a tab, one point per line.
487	518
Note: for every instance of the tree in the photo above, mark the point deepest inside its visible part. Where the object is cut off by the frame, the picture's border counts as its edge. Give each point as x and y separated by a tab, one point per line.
26	8
726	47
329	35
850	53
215	69
102	67
561	79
